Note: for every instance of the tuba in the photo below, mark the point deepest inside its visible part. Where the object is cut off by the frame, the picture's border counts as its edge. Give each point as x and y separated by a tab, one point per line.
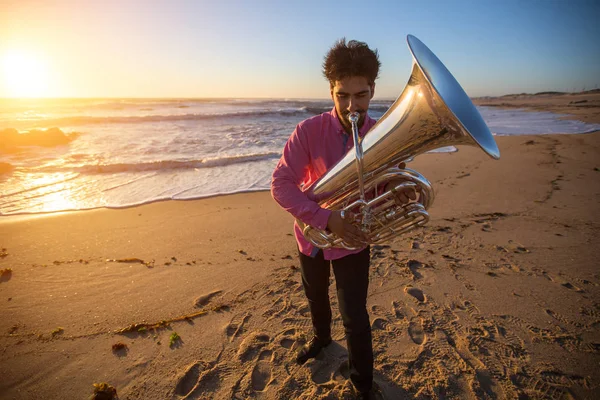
433	111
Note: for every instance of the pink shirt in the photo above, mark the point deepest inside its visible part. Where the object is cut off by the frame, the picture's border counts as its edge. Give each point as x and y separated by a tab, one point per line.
315	146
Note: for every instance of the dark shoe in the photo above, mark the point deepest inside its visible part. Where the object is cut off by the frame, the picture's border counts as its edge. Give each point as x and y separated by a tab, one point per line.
364	396
370	395
373	394
312	349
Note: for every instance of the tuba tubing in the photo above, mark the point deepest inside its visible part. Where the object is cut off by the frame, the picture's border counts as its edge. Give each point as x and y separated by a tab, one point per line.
432	111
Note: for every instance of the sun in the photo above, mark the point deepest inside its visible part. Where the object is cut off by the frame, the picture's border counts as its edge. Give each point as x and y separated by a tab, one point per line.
24	75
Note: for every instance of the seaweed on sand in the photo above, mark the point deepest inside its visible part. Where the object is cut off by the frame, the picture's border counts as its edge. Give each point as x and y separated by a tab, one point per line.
174	339
104	391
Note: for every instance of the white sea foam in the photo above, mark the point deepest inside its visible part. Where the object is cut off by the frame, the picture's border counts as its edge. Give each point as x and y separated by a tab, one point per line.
522	122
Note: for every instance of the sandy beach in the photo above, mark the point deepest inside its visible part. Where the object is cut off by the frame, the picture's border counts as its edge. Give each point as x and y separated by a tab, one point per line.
497	297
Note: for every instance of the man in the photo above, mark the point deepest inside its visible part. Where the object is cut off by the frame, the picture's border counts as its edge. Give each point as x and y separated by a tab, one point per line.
315	146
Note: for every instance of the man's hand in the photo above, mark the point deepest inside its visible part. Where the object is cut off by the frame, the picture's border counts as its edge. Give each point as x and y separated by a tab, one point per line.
345	230
403	195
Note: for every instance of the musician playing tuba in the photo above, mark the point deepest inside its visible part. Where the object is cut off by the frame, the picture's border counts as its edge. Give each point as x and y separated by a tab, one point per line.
315	146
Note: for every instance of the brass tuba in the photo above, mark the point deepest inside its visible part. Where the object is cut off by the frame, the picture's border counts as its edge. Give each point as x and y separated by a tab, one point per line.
433	111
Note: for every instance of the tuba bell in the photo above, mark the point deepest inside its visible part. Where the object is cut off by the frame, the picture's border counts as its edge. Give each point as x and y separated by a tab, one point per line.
433	111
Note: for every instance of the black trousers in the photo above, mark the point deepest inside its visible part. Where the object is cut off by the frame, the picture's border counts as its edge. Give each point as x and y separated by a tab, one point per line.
352	282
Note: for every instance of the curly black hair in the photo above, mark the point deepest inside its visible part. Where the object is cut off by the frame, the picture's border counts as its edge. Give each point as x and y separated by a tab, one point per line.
354	58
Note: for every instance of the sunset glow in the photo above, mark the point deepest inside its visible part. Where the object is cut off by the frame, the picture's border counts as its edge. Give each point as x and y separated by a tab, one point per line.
24	74
236	49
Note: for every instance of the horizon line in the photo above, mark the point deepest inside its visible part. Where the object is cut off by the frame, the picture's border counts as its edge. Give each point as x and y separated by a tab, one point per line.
270	98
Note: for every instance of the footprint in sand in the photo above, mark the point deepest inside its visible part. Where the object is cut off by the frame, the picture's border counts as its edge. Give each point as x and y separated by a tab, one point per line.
304	310
278	307
287	343
397	309
261	375
562	282
472	311
320	372
520	250
415	331
5	275
414	266
265	355
416	293
569	285
236	326
383	319
486	227
189	379
252	345
538	386
205	298
380	324
342	373
442	347
288	339
560	318
464	281
303	324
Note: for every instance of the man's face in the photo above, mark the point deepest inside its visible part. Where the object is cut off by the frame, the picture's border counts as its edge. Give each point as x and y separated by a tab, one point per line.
349	95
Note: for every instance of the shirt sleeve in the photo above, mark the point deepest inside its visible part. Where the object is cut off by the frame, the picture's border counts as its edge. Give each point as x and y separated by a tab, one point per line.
289	174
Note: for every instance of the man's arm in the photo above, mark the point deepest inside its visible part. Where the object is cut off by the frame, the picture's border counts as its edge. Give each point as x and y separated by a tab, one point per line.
289	173
287	177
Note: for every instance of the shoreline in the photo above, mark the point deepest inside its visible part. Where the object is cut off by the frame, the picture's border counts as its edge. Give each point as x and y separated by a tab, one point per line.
5	218
27	215
583	107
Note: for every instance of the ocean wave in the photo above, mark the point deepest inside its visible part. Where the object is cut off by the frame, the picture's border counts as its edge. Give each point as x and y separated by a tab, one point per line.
89	120
5	168
11	139
48	183
164	164
302	111
379	107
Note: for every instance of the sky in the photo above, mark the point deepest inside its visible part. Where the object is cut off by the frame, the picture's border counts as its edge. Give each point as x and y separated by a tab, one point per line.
275	49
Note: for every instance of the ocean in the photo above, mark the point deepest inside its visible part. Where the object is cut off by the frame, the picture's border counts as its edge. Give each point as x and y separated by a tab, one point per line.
118	153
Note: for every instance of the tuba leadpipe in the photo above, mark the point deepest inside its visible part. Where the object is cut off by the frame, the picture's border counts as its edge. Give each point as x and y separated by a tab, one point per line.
432	111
